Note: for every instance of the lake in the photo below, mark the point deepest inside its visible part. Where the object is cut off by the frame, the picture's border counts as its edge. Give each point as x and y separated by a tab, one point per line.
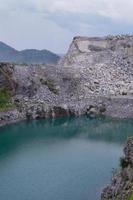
61	159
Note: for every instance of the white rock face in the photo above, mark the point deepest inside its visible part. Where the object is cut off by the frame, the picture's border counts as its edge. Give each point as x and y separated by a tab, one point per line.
86	45
104	65
96	73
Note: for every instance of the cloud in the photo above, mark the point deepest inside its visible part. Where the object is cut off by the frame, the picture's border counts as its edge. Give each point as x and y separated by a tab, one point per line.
118	10
26	30
52	23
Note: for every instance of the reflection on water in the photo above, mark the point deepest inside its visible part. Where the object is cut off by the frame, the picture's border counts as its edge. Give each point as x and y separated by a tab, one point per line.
61	159
97	129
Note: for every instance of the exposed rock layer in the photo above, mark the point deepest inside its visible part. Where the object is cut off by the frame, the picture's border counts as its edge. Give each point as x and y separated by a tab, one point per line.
95	77
104	66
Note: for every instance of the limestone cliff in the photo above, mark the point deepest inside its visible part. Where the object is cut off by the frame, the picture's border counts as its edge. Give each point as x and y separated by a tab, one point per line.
103	65
95	77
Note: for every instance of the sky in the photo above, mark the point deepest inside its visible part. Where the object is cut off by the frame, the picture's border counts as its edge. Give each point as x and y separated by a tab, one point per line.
52	24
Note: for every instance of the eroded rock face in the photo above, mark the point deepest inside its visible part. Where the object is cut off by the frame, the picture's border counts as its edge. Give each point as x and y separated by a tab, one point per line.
95	72
6	77
122	182
104	66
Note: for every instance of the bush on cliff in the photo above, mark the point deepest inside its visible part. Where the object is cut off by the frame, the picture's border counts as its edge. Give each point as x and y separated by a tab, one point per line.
4	99
131	197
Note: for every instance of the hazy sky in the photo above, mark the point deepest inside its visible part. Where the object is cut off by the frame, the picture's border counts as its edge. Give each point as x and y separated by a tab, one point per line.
51	24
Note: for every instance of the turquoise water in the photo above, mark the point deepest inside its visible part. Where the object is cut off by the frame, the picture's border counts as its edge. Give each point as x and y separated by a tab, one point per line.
64	159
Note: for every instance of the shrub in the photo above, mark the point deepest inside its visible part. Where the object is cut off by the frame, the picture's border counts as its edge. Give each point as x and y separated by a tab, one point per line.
102	109
123	162
4	99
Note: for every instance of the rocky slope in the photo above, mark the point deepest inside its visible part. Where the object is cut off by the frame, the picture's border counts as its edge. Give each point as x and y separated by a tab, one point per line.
28	56
95	77
104	65
121	187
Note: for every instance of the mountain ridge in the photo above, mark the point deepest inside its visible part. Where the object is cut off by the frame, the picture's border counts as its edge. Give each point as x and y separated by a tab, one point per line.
28	56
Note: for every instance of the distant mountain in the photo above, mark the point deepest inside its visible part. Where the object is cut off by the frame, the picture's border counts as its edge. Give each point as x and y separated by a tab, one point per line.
28	56
61	55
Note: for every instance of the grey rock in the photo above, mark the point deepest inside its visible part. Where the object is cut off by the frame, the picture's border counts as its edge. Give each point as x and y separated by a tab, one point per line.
121	186
94	70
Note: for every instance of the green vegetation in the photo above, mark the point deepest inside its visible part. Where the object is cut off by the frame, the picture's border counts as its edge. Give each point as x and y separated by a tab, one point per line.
123	162
5	100
131	197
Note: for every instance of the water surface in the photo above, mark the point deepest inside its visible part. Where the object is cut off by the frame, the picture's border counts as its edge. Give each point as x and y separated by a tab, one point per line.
64	159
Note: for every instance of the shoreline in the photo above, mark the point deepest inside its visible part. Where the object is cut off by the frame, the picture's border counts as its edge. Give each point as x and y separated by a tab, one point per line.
117	108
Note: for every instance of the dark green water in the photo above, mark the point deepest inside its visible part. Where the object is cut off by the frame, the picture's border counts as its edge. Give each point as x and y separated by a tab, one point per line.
65	159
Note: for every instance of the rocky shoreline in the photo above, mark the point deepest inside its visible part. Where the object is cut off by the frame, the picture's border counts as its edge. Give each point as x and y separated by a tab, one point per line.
121	187
95	77
115	107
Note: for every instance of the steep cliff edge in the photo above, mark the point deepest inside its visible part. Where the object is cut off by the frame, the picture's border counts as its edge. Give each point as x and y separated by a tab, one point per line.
95	77
121	187
104	65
